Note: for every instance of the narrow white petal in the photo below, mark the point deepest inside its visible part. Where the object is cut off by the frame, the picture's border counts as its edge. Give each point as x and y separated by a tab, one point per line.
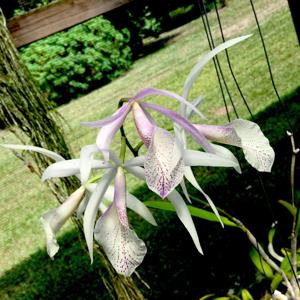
62	169
54	219
185	217
164	165
40	150
138	172
227	154
86	156
70	167
185	191
136	161
123	248
92	208
189	175
255	145
204	60
199	158
189	112
140	208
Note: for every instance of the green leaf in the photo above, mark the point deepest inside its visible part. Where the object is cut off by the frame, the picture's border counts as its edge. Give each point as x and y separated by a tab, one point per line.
195	211
206	296
276	281
260	264
246	295
289	207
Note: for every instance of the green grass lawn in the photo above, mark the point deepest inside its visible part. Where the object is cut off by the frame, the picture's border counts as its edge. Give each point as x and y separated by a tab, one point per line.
23	198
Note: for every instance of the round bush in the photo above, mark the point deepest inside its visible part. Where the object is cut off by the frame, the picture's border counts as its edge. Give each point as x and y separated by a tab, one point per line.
71	63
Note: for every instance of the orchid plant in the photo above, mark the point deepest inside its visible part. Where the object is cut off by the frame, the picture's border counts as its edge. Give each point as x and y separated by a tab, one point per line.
167	161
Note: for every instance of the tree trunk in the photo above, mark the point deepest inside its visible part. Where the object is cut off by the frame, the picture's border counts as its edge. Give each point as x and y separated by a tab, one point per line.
26	112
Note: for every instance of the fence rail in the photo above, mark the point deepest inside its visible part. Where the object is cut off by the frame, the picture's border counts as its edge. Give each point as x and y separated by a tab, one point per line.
57	16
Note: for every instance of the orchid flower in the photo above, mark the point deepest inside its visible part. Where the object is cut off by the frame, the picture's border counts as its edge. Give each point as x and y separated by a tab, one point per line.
121	245
240	133
165	160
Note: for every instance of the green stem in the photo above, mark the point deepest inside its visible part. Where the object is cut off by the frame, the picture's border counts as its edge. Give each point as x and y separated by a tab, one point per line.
123	149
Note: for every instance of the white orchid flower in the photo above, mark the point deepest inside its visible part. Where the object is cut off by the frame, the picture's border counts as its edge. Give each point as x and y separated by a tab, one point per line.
121	245
164	162
240	133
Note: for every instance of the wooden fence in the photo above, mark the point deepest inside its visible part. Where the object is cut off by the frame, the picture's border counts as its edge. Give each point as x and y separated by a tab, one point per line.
57	16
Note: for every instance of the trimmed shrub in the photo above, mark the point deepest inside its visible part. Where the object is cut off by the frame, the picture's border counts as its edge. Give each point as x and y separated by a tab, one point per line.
71	63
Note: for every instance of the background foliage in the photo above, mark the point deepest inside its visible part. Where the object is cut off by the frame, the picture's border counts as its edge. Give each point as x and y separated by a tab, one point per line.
71	63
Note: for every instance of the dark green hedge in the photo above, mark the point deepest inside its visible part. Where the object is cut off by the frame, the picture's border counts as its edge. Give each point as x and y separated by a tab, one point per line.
71	63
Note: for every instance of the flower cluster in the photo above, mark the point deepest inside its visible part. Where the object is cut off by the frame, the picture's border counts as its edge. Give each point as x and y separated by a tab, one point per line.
167	161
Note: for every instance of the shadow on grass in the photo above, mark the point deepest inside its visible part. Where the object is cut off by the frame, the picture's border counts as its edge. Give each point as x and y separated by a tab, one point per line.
155	45
172	267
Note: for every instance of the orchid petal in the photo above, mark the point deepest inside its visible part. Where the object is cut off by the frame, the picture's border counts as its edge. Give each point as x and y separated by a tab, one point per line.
119	113
185	217
227	154
70	167
144	123
184	123
185	191
82	206
108	131
255	145
86	156
40	150
189	112
152	91
123	248
137	172
188	173
140	208
248	136
54	219
62	169
92	208
163	164
204	60
136	161
134	204
200	158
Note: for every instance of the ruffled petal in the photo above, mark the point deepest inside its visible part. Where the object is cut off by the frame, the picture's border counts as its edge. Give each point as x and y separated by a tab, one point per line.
255	145
248	136
92	208
185	217
54	219
164	165
123	248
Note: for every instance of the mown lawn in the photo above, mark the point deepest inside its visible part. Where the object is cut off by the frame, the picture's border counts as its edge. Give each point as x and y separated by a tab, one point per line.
23	198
